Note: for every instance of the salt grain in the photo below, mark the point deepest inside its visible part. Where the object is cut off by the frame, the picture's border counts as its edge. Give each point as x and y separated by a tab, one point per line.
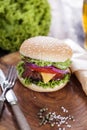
55	119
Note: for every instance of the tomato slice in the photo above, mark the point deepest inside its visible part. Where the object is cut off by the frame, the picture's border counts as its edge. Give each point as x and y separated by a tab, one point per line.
44	69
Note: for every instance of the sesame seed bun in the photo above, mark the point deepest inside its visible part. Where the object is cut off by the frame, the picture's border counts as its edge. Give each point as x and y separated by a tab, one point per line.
36	88
45	48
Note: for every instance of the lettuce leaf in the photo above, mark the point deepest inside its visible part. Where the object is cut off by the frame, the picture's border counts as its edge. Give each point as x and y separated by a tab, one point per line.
22	19
60	65
50	84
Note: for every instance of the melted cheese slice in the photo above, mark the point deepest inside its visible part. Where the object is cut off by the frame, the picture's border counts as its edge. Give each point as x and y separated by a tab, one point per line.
47	77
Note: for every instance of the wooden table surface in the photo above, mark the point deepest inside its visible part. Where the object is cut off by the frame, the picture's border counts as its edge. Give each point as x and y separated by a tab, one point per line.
71	97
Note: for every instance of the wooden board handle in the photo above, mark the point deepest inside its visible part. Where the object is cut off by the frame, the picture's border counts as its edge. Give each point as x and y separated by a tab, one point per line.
22	122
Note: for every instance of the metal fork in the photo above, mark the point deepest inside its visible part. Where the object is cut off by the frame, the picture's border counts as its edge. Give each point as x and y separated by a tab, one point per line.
11	77
12	100
9	83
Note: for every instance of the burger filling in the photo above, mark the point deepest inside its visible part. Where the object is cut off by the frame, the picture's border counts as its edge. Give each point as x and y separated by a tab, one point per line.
43	73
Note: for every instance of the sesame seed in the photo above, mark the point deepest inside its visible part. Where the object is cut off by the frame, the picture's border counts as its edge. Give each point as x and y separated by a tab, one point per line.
58	125
66	123
66	111
46	109
69	126
52	124
73	119
41	110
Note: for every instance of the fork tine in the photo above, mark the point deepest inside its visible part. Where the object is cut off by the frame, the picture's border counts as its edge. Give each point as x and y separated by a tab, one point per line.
11	75
14	76
8	76
10	79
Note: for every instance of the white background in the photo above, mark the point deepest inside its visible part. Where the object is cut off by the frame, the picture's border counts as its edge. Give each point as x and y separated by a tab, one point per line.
67	20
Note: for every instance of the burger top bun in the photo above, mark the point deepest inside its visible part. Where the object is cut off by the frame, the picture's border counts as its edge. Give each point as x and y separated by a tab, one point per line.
45	48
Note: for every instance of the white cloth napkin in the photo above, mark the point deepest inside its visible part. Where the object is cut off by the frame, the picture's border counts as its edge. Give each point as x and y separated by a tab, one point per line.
79	63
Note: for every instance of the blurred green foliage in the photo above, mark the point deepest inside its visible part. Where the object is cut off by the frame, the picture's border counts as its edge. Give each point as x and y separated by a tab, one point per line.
21	19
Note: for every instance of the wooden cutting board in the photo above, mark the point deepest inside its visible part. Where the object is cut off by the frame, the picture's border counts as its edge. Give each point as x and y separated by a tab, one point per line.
70	97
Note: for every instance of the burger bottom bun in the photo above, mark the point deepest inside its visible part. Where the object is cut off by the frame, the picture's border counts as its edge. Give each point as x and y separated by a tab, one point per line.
41	89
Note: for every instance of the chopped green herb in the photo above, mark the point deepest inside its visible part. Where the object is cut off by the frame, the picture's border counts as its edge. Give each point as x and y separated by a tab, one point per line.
22	19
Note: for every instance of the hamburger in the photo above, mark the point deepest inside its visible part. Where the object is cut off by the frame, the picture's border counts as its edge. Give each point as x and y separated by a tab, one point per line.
44	64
